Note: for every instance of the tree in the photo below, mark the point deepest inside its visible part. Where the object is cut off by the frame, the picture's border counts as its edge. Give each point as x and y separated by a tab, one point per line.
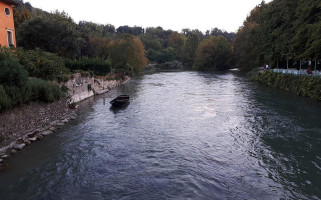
90	28
128	54
214	53
54	32
136	30
246	50
190	48
278	31
177	41
98	47
307	40
20	15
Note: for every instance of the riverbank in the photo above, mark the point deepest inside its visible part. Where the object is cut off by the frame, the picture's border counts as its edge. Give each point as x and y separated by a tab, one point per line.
28	123
306	86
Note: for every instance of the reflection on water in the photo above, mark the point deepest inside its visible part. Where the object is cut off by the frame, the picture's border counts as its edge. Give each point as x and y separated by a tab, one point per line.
184	135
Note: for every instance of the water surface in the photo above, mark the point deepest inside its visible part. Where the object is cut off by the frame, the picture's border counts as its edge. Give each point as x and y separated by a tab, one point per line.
185	135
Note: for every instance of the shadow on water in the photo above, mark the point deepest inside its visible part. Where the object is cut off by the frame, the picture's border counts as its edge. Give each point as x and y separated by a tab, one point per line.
116	110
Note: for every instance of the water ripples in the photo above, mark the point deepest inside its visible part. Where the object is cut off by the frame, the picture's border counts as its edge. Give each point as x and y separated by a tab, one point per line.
185	135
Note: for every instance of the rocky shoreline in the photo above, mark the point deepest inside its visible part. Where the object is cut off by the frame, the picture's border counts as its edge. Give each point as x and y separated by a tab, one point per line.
29	123
33	136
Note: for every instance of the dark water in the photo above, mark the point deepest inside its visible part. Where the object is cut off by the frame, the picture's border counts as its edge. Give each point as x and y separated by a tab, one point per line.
185	135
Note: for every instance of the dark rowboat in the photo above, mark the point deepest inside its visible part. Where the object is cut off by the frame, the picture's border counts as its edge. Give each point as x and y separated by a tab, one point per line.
120	101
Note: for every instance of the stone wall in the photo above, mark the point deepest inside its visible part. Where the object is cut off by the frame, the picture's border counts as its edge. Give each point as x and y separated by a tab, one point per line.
81	88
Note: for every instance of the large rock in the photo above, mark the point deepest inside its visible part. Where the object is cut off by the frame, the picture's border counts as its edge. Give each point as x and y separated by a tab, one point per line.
60	124
64	121
32	139
19	146
53	129
45	133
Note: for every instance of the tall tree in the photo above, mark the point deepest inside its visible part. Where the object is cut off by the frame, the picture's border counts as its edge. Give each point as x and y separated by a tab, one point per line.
214	53
128	53
190	48
177	41
246	48
56	33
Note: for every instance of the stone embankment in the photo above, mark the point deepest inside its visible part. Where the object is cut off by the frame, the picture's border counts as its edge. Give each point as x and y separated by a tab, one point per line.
81	88
28	123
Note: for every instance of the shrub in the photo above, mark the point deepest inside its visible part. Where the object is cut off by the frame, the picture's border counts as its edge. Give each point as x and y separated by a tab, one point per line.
35	89
44	90
12	72
307	86
16	88
96	65
40	64
5	101
64	89
62	78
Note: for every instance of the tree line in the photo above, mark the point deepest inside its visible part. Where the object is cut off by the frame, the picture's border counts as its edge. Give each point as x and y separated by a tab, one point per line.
272	33
58	33
279	31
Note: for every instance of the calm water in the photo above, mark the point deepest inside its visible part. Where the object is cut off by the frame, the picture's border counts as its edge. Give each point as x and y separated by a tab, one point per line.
185	135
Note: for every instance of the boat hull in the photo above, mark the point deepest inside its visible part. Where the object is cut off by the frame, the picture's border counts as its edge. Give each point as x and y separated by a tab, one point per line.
120	101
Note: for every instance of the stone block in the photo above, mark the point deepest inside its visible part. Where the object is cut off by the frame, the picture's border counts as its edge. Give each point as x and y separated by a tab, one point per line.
19	146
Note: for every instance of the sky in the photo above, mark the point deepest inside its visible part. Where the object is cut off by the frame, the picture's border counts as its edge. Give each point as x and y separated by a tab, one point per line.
170	14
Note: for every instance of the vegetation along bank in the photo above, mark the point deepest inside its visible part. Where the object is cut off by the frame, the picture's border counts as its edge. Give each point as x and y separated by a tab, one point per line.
307	86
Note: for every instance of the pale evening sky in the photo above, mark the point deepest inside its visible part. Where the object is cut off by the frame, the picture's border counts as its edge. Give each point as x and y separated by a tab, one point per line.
169	14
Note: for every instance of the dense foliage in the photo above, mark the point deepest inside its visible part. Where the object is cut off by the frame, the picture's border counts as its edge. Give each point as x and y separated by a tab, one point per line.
302	85
127	54
40	64
56	33
166	45
96	65
15	86
278	31
214	53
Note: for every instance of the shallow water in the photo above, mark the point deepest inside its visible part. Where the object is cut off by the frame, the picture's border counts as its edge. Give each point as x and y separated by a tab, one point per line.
185	135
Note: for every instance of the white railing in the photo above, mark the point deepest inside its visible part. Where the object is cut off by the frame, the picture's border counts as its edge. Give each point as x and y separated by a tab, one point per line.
297	72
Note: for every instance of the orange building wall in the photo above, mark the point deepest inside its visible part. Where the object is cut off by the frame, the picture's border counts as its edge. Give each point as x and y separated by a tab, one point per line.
6	22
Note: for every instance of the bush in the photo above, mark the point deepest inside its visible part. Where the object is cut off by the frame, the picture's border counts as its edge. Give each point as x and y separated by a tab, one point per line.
96	65
35	89
62	78
64	89
307	86
5	101
40	64
12	72
44	90
15	86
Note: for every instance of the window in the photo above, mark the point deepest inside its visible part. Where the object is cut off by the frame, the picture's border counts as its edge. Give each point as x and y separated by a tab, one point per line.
10	38
7	11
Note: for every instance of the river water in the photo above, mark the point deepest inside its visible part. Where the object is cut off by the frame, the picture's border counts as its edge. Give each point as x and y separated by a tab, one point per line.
185	135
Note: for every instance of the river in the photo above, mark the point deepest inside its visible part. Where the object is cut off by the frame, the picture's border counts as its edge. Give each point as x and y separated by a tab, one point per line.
185	135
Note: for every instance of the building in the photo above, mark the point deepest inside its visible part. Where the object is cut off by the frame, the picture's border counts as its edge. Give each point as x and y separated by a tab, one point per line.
7	31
